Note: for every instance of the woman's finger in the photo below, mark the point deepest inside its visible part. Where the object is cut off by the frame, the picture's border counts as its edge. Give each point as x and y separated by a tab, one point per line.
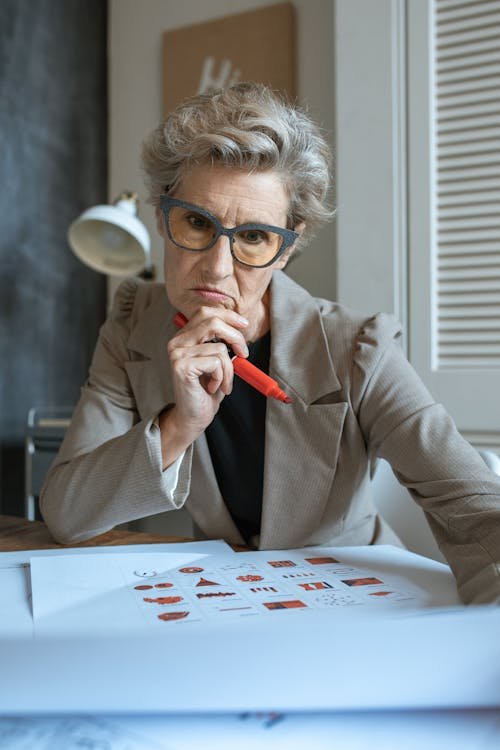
192	365
209	324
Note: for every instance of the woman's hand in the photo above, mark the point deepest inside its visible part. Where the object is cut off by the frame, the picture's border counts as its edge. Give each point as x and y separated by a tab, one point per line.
202	375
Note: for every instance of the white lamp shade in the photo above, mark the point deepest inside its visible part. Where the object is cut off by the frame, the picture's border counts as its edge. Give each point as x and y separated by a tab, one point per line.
111	239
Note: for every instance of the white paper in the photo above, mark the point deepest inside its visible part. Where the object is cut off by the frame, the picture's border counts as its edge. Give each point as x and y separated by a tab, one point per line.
446	659
16	616
340	578
96	594
441	730
465	730
74	733
99	593
15	603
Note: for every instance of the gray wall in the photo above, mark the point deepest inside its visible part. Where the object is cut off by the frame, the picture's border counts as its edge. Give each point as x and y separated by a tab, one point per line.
53	123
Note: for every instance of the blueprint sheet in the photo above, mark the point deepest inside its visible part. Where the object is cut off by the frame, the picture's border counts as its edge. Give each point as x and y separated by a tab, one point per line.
439	730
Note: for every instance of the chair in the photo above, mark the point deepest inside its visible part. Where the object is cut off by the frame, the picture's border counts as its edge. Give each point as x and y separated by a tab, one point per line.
44	434
491	459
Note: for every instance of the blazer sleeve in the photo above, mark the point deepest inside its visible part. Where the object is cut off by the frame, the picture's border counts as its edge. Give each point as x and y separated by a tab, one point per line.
109	468
444	474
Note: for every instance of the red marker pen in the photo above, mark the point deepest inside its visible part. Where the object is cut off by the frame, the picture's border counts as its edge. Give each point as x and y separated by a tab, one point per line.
248	372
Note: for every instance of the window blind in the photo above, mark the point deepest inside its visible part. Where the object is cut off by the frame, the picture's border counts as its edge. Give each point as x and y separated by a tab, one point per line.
467	179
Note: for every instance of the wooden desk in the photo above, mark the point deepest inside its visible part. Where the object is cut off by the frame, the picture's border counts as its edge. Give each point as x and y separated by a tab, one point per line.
18	534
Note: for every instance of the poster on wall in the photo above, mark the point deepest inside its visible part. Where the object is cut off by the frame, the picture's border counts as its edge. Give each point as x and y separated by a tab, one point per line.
257	45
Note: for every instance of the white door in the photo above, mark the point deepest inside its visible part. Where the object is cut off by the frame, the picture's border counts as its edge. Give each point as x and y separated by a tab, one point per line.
454	208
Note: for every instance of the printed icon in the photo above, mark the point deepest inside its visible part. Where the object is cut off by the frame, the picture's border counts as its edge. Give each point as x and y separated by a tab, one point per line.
315	585
336	599
168	616
250	578
321	560
145	573
282	563
258	589
362	581
165	585
164	600
143	587
293	604
190	570
205	582
211	594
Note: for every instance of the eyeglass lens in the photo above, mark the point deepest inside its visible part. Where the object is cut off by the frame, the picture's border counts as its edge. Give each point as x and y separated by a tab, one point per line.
194	231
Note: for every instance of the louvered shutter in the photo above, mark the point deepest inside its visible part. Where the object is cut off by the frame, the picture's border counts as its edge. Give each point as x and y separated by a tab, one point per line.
454	208
467	141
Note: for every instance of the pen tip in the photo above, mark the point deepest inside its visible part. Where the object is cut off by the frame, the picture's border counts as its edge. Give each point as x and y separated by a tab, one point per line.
287	400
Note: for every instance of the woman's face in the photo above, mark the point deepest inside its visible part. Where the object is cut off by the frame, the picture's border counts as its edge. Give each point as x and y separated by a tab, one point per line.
212	277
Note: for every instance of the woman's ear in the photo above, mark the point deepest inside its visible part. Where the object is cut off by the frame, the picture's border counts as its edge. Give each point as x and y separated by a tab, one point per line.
283	260
300	228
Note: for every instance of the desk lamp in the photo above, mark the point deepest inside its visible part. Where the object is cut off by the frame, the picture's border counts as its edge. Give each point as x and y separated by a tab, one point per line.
112	240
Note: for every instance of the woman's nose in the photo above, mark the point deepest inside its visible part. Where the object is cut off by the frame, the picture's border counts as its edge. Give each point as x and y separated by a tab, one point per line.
219	259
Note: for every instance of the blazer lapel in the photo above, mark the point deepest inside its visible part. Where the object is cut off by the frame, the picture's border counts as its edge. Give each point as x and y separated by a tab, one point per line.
149	368
302	438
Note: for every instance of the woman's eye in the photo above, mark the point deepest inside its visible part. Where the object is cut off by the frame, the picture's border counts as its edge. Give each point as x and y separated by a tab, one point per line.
254	236
197	222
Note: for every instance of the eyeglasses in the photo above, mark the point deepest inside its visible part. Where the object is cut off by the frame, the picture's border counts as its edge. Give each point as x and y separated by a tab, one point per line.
192	228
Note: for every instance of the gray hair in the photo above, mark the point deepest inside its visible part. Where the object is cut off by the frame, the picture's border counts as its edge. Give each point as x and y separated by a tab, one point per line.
246	126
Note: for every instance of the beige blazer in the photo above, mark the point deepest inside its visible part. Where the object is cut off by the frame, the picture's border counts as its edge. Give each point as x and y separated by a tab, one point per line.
355	397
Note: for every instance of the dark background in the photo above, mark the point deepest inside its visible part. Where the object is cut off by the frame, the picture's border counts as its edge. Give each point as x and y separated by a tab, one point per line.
53	152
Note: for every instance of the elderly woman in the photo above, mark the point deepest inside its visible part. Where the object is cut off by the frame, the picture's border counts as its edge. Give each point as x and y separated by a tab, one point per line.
239	180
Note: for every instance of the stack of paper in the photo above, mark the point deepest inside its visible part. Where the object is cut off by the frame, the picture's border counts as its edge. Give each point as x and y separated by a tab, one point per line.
200	628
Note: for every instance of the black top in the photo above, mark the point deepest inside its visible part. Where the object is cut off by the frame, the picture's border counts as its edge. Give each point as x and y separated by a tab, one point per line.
236	440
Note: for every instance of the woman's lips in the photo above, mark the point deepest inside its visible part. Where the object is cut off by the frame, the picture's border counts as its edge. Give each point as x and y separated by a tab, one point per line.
213	295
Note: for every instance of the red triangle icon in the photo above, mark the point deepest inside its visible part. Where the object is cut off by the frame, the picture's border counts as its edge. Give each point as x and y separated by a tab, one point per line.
204	582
